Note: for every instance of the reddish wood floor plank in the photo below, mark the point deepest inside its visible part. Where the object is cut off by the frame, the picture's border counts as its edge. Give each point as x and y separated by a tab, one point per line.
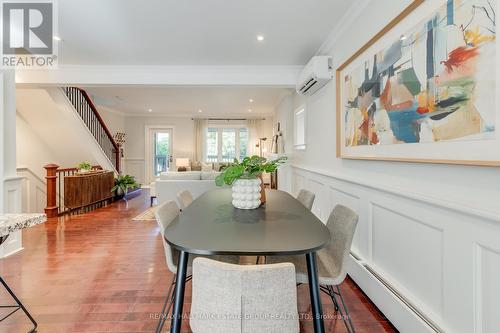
103	272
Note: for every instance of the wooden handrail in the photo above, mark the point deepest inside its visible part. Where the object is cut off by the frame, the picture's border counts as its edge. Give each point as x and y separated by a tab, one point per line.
94	109
94	167
85	107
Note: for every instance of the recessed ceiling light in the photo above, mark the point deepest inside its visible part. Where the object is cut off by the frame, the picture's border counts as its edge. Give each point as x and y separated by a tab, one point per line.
57	38
250	100
249	110
200	111
150	110
260	38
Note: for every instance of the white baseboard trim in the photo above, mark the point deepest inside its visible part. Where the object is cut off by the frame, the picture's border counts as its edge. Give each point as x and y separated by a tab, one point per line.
398	313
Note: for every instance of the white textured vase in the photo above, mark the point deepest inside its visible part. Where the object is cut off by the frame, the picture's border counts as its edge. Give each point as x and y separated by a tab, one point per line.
246	193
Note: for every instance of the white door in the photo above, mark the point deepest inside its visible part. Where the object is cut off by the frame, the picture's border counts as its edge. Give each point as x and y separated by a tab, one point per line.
159	152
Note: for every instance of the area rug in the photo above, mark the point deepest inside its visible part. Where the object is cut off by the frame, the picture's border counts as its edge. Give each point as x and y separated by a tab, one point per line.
148	215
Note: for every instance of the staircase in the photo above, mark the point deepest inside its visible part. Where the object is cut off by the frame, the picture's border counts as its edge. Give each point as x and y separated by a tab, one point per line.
88	113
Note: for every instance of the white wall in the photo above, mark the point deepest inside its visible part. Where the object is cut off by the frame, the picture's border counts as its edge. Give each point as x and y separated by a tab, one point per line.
432	231
114	120
50	131
284	115
33	152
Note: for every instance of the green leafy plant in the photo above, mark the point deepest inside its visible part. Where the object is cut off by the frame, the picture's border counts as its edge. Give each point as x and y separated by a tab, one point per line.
125	183
85	166
249	167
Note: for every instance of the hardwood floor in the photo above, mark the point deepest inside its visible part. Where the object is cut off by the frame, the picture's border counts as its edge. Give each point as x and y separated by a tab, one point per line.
103	272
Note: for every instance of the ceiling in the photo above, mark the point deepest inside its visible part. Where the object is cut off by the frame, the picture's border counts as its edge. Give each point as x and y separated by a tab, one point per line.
194	32
187	101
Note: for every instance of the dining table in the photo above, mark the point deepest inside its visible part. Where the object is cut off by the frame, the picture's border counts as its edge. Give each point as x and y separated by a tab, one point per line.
211	225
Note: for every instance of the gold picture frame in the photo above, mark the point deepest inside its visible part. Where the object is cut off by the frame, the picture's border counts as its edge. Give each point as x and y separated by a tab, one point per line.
340	142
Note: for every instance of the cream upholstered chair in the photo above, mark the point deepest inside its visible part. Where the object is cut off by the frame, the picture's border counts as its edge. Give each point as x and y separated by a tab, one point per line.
331	260
165	214
243	298
306	198
185	198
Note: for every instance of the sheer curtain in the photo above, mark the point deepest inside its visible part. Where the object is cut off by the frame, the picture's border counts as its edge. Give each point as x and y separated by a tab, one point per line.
254	133
200	129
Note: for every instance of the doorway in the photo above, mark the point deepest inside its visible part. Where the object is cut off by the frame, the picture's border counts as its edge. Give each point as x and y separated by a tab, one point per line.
159	151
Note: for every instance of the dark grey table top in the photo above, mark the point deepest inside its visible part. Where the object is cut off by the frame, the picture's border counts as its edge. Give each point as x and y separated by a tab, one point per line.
211	225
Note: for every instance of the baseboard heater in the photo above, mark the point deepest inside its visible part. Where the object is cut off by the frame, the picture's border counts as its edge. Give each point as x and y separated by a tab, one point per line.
402	298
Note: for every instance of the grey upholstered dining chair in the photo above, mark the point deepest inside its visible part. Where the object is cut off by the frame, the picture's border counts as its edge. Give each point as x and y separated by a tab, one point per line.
185	198
331	260
165	214
306	198
243	298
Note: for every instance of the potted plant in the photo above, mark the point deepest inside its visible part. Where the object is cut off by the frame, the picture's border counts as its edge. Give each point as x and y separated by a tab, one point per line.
245	177
84	167
122	184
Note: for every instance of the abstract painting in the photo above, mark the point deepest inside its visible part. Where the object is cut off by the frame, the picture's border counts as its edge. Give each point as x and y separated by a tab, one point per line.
433	83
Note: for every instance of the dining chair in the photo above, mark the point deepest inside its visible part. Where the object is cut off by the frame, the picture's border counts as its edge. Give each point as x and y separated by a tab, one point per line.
165	214
306	198
331	259
185	198
243	298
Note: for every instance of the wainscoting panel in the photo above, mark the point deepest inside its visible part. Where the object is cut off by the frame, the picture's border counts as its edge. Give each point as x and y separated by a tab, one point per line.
299	182
12	204
317	186
429	265
487	289
135	167
347	198
34	196
410	253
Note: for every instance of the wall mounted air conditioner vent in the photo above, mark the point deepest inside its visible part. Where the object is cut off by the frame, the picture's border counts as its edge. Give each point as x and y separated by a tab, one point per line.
315	75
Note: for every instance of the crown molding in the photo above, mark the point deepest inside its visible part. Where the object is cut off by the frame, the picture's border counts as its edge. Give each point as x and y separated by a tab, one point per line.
328	46
197	115
64	75
105	109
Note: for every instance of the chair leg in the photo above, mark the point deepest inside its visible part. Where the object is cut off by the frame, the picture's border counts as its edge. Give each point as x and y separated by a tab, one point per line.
18	306
344	311
331	293
164	311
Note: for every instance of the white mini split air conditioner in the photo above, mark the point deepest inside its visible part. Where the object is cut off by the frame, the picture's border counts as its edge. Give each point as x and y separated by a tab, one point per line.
315	75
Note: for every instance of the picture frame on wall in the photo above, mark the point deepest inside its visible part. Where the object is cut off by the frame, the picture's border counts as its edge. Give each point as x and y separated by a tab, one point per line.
424	89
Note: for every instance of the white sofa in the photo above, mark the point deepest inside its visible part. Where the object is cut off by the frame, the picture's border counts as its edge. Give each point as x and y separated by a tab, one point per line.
166	187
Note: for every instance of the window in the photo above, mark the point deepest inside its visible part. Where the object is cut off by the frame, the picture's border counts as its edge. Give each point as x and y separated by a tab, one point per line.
224	144
299	125
212	145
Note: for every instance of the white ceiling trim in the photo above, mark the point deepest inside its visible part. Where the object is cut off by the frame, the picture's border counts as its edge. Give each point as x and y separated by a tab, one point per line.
328	46
187	115
276	76
204	116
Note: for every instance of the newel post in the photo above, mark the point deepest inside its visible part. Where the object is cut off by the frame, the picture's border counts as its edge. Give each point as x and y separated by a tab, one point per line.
51	209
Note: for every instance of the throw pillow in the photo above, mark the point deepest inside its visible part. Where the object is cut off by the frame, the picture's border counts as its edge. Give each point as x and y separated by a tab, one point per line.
196	166
206	166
